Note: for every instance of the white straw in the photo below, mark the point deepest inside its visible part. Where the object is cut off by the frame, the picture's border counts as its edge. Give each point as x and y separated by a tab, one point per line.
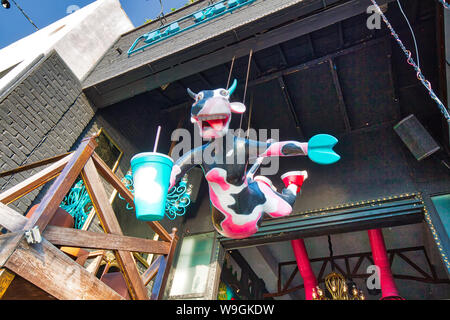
157	139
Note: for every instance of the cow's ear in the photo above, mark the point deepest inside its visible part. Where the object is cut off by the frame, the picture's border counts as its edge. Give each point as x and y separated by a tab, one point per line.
237	107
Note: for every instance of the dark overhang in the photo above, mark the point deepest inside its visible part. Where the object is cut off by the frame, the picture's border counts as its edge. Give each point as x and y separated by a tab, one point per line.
259	25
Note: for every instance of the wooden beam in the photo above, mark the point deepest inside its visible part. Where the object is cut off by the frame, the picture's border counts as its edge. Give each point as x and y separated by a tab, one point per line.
34	181
164	267
96	240
312	63
33	165
341	104
151	271
94	265
109	176
311	46
164	96
258	42
56	193
282	55
271	261
8	243
54	272
290	105
297	68
11	219
110	224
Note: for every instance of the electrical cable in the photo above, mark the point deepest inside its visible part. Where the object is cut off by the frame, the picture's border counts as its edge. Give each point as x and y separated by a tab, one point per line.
412	32
411	62
25	15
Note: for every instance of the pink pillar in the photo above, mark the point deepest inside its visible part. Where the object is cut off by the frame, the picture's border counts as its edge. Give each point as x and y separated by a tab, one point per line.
304	267
380	258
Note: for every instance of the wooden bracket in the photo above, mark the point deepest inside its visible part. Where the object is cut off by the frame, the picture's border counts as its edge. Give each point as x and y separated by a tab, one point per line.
65	278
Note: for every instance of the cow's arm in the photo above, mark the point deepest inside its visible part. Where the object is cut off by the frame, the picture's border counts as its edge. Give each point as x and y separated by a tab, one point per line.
183	165
278	149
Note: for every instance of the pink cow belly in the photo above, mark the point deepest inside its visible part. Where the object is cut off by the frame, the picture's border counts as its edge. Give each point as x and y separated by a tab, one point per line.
226	222
227	227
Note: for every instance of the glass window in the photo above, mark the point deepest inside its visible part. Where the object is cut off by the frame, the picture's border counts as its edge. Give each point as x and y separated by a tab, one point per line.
442	205
192	268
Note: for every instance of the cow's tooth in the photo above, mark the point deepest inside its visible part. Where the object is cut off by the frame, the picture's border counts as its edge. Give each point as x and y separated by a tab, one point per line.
212	117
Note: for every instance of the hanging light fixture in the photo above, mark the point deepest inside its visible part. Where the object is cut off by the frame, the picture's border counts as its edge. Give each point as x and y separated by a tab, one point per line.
337	289
6	4
336	285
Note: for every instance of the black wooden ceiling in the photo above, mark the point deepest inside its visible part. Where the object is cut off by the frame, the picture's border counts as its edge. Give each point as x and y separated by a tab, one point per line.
336	80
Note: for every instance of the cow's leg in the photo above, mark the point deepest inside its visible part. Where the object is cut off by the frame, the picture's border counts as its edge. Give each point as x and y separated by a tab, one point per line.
281	204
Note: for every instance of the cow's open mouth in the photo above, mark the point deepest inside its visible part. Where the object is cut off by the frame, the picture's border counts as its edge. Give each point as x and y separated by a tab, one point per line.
216	121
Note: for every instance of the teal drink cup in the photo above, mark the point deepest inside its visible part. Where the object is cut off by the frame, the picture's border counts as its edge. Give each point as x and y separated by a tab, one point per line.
151	177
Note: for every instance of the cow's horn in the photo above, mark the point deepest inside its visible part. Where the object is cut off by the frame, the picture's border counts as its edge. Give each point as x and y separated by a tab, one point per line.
233	87
192	94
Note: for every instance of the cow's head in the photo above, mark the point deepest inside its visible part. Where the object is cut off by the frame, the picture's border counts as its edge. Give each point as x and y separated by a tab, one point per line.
212	110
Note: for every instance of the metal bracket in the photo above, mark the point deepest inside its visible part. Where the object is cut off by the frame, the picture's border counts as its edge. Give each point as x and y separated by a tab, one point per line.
33	235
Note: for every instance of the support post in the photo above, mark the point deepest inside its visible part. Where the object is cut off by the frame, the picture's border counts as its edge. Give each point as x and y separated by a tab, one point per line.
304	267
163	269
110	224
381	260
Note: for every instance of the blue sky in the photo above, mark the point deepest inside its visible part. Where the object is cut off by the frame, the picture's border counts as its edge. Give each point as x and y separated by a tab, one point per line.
14	26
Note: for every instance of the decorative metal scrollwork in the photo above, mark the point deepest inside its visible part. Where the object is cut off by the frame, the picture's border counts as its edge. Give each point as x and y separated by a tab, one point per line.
78	204
177	201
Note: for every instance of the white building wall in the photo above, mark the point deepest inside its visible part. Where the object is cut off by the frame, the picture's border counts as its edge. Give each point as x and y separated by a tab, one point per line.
81	38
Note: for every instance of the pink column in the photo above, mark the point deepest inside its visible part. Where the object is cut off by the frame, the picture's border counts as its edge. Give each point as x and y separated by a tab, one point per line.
380	258
304	267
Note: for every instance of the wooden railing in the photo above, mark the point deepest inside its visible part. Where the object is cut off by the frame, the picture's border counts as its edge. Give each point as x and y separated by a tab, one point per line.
64	278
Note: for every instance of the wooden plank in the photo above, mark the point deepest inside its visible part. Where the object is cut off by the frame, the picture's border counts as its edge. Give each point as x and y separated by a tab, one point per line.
96	240
6	278
54	272
109	176
337	85
94	265
164	267
33	165
151	271
110	224
8	243
56	193
34	181
11	219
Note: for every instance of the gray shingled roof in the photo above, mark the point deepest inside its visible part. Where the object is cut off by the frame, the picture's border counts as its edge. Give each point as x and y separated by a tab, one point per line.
114	63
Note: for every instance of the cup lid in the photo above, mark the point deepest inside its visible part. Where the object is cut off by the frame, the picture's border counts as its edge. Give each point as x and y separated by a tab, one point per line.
143	154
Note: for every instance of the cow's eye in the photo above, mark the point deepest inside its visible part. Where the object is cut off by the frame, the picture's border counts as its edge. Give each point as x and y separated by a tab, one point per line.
200	96
224	93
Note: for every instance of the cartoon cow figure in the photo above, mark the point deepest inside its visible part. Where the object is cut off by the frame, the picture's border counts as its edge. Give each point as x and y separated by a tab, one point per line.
240	198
